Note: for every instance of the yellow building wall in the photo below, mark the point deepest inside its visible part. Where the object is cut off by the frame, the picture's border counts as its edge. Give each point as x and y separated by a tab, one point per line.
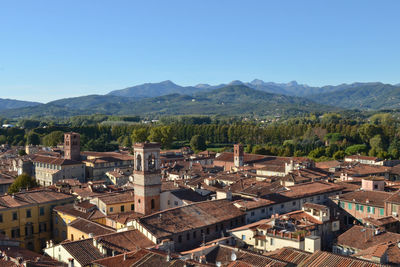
60	225
37	240
116	208
75	234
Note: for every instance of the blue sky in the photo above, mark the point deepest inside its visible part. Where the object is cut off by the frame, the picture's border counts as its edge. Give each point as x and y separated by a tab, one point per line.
54	49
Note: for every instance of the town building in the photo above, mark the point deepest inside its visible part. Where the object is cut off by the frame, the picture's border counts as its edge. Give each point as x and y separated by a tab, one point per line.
27	216
188	226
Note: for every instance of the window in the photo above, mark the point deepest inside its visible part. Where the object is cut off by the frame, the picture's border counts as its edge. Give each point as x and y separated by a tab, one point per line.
139	163
357	207
282	206
373	210
15	216
29	229
28	214
349	206
381	212
375	186
176	203
272	242
153	205
180	239
311	199
252	213
169	202
15	233
42	227
151	163
262	210
111	209
270	209
294	203
208	231
122	208
41	211
1	218
194	234
368	209
318	197
342	205
362	208
188	236
132	206
243	237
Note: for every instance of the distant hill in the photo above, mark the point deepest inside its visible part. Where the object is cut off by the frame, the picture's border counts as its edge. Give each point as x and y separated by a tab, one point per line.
362	96
155	89
168	87
11	103
228	100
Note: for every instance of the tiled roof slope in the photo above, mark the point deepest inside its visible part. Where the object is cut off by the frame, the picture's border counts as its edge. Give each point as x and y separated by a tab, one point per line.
180	219
83	251
324	259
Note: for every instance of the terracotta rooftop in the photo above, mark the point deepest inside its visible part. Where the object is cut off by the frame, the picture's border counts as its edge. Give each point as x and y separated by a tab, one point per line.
117	197
222	253
124	217
353	237
196	215
54	160
90	227
70	209
288	254
34	196
247	158
188	195
125	241
309	189
83	251
360	157
314	206
324	259
373	198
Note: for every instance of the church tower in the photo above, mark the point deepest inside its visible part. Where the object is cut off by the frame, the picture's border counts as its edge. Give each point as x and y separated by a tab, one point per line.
238	155
72	146
147	177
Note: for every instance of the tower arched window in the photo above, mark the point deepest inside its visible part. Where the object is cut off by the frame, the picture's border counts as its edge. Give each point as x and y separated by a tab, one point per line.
151	162
139	163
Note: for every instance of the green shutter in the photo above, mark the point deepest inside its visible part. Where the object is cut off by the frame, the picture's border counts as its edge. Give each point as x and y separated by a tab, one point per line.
381	211
349	206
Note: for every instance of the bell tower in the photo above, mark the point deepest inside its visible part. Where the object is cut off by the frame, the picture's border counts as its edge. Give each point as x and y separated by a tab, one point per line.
238	155
72	146
147	177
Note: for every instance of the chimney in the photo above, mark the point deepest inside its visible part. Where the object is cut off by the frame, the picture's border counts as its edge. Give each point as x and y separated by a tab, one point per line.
70	262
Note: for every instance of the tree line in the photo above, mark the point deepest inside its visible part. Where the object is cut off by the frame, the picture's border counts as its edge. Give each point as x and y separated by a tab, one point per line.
329	136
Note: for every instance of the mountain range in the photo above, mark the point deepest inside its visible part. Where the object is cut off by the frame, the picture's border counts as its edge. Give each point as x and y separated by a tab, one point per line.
12	103
235	98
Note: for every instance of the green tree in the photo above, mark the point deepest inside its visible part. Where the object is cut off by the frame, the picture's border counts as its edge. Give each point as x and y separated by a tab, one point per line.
21	152
356	149
3	139
33	139
23	181
339	155
162	134
139	135
317	153
377	143
197	143
53	138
